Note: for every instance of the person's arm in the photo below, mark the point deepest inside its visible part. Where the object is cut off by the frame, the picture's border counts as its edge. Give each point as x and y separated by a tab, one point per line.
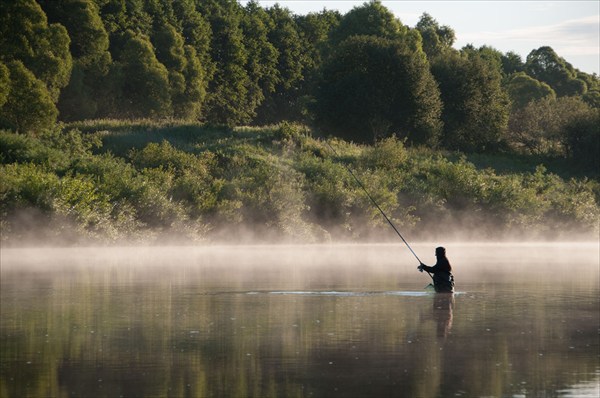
427	268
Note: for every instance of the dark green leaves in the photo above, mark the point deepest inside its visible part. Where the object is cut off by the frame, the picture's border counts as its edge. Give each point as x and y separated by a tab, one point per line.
373	87
28	106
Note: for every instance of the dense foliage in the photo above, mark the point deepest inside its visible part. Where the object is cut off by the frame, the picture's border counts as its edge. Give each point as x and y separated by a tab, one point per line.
210	65
361	76
372	86
143	181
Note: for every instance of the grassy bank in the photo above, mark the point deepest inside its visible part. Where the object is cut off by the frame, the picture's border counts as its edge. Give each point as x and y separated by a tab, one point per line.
142	181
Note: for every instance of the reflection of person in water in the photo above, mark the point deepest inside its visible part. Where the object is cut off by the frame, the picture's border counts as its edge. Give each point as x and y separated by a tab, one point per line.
443	280
443	305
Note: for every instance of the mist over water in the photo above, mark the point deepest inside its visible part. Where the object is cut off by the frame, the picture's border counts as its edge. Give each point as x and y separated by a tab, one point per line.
314	320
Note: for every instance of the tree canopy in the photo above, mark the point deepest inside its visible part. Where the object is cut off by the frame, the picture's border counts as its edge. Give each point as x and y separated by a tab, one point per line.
436	39
475	112
545	65
362	75
374	87
523	89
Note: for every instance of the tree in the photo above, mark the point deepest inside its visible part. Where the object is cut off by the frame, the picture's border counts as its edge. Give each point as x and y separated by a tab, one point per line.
488	54
170	52
436	38
523	89
540	126
81	18
582	140
29	106
369	19
91	58
545	65
374	87
291	61
123	15
162	13
592	96
189	104
475	111
145	89
78	101
196	32
592	81
43	49
262	54
229	101
511	63
113	14
4	84
314	30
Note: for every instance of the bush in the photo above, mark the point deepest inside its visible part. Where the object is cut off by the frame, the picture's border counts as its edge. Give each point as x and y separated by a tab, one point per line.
54	148
154	206
542	127
328	195
388	154
16	148
270	195
272	183
27	185
165	155
582	139
78	200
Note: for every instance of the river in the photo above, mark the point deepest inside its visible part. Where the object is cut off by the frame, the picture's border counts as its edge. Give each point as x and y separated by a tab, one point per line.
299	321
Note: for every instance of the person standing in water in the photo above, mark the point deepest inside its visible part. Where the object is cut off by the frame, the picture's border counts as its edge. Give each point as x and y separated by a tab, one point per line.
443	280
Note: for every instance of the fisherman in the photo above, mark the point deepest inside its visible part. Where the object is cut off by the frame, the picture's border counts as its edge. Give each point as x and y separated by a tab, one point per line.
443	281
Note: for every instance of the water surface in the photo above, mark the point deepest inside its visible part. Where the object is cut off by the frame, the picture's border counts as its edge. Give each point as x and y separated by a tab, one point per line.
300	321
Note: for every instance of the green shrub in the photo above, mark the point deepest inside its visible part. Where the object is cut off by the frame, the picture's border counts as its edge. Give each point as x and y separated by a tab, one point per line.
582	139
328	196
165	155
270	194
199	192
18	148
27	185
275	183
153	204
27	194
55	149
70	141
388	154
575	207
78	199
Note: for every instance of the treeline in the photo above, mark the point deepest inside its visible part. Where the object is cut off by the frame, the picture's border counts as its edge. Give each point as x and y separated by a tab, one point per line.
164	183
362	76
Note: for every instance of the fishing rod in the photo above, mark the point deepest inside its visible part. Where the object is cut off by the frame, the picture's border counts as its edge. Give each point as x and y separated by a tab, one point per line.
380	210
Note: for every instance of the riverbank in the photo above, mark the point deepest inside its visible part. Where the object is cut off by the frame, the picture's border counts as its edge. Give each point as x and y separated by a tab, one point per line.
105	182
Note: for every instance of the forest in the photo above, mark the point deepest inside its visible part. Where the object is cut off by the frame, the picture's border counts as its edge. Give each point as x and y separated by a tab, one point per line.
208	120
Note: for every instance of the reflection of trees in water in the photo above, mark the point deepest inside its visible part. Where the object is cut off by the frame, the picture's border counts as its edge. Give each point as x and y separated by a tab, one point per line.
171	340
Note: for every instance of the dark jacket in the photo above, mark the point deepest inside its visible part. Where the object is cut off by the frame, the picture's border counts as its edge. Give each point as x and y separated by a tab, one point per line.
443	280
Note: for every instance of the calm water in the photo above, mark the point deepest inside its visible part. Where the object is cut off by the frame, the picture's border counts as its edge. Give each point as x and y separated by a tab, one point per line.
310	321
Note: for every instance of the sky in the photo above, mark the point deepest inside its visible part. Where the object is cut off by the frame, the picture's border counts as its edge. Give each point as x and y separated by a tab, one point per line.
571	28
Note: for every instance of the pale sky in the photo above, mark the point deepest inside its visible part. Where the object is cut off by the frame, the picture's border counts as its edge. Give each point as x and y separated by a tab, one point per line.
571	28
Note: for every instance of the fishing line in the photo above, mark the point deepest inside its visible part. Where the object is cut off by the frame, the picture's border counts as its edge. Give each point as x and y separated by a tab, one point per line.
378	208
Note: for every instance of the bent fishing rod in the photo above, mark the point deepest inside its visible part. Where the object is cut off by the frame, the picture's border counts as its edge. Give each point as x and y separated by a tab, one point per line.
378	208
